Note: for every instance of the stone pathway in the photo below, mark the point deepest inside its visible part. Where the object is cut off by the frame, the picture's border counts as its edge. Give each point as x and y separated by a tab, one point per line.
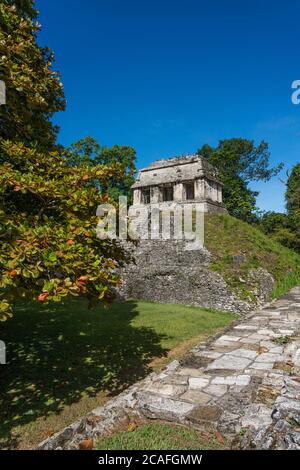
245	383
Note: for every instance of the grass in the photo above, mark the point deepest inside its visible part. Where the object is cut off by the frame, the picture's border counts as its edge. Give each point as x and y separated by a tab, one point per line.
63	360
281	340
284	284
161	436
237	247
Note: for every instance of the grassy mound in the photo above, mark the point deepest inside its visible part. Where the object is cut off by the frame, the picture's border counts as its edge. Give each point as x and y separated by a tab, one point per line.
238	247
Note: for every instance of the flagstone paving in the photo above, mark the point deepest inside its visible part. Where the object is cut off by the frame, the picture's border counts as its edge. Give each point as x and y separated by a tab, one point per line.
245	383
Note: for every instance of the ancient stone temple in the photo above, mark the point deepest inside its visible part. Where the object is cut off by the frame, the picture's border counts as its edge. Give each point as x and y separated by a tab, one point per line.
179	180
175	269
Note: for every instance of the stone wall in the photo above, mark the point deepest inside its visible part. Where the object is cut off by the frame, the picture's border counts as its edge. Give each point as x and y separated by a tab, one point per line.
169	272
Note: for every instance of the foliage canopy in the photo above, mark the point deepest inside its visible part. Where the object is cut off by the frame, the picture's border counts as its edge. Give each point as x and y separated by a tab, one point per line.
240	161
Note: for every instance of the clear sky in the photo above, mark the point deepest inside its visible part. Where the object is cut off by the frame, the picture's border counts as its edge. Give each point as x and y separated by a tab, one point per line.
166	76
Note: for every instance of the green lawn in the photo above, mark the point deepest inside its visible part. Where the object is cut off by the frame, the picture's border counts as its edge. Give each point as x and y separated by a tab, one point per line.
64	360
161	437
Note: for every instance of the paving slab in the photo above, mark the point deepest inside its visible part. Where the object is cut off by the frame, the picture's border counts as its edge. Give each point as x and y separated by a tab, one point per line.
247	353
257	416
163	407
189	371
196	396
228	361
268	357
262	365
198	382
166	389
246	327
232	380
229	338
216	390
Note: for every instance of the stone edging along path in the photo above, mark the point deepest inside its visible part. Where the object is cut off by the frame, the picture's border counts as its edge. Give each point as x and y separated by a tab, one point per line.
245	384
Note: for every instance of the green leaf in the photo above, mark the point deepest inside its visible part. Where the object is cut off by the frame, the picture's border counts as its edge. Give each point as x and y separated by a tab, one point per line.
52	257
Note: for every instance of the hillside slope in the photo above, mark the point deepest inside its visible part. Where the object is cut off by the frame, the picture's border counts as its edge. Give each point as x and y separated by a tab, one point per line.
239	250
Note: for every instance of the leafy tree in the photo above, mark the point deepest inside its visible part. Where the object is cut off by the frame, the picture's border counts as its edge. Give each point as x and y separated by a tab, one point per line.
281	228
271	221
88	151
34	91
49	248
285	228
239	162
293	190
84	151
292	196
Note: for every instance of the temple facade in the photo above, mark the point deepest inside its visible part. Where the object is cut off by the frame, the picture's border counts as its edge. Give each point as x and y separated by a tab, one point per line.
188	179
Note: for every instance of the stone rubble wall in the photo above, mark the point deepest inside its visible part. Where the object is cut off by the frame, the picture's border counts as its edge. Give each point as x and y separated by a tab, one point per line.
169	272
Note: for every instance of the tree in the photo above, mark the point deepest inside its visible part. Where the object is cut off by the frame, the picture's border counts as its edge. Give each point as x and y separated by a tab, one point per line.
292	195
34	91
48	242
270	222
285	228
84	151
281	228
88	151
239	162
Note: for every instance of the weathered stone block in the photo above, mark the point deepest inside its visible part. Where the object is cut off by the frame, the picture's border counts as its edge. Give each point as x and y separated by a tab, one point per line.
256	416
165	389
232	380
229	361
205	414
196	396
155	406
268	357
198	382
216	390
241	352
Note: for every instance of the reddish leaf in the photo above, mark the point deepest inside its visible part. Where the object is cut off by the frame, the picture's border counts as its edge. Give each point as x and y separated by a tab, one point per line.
13	273
86	444
42	297
220	438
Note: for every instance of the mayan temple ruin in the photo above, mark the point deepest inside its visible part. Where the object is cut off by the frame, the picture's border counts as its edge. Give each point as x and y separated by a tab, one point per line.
179	180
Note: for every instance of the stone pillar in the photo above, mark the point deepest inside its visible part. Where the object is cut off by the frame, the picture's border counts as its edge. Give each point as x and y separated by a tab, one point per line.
155	222
199	189
219	193
178	192
207	189
214	191
136	196
211	190
154	194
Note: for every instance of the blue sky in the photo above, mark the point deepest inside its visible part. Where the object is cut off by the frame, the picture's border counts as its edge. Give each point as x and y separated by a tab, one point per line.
166	76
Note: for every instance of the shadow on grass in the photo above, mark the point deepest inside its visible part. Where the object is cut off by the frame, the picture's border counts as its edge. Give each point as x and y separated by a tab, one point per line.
57	354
